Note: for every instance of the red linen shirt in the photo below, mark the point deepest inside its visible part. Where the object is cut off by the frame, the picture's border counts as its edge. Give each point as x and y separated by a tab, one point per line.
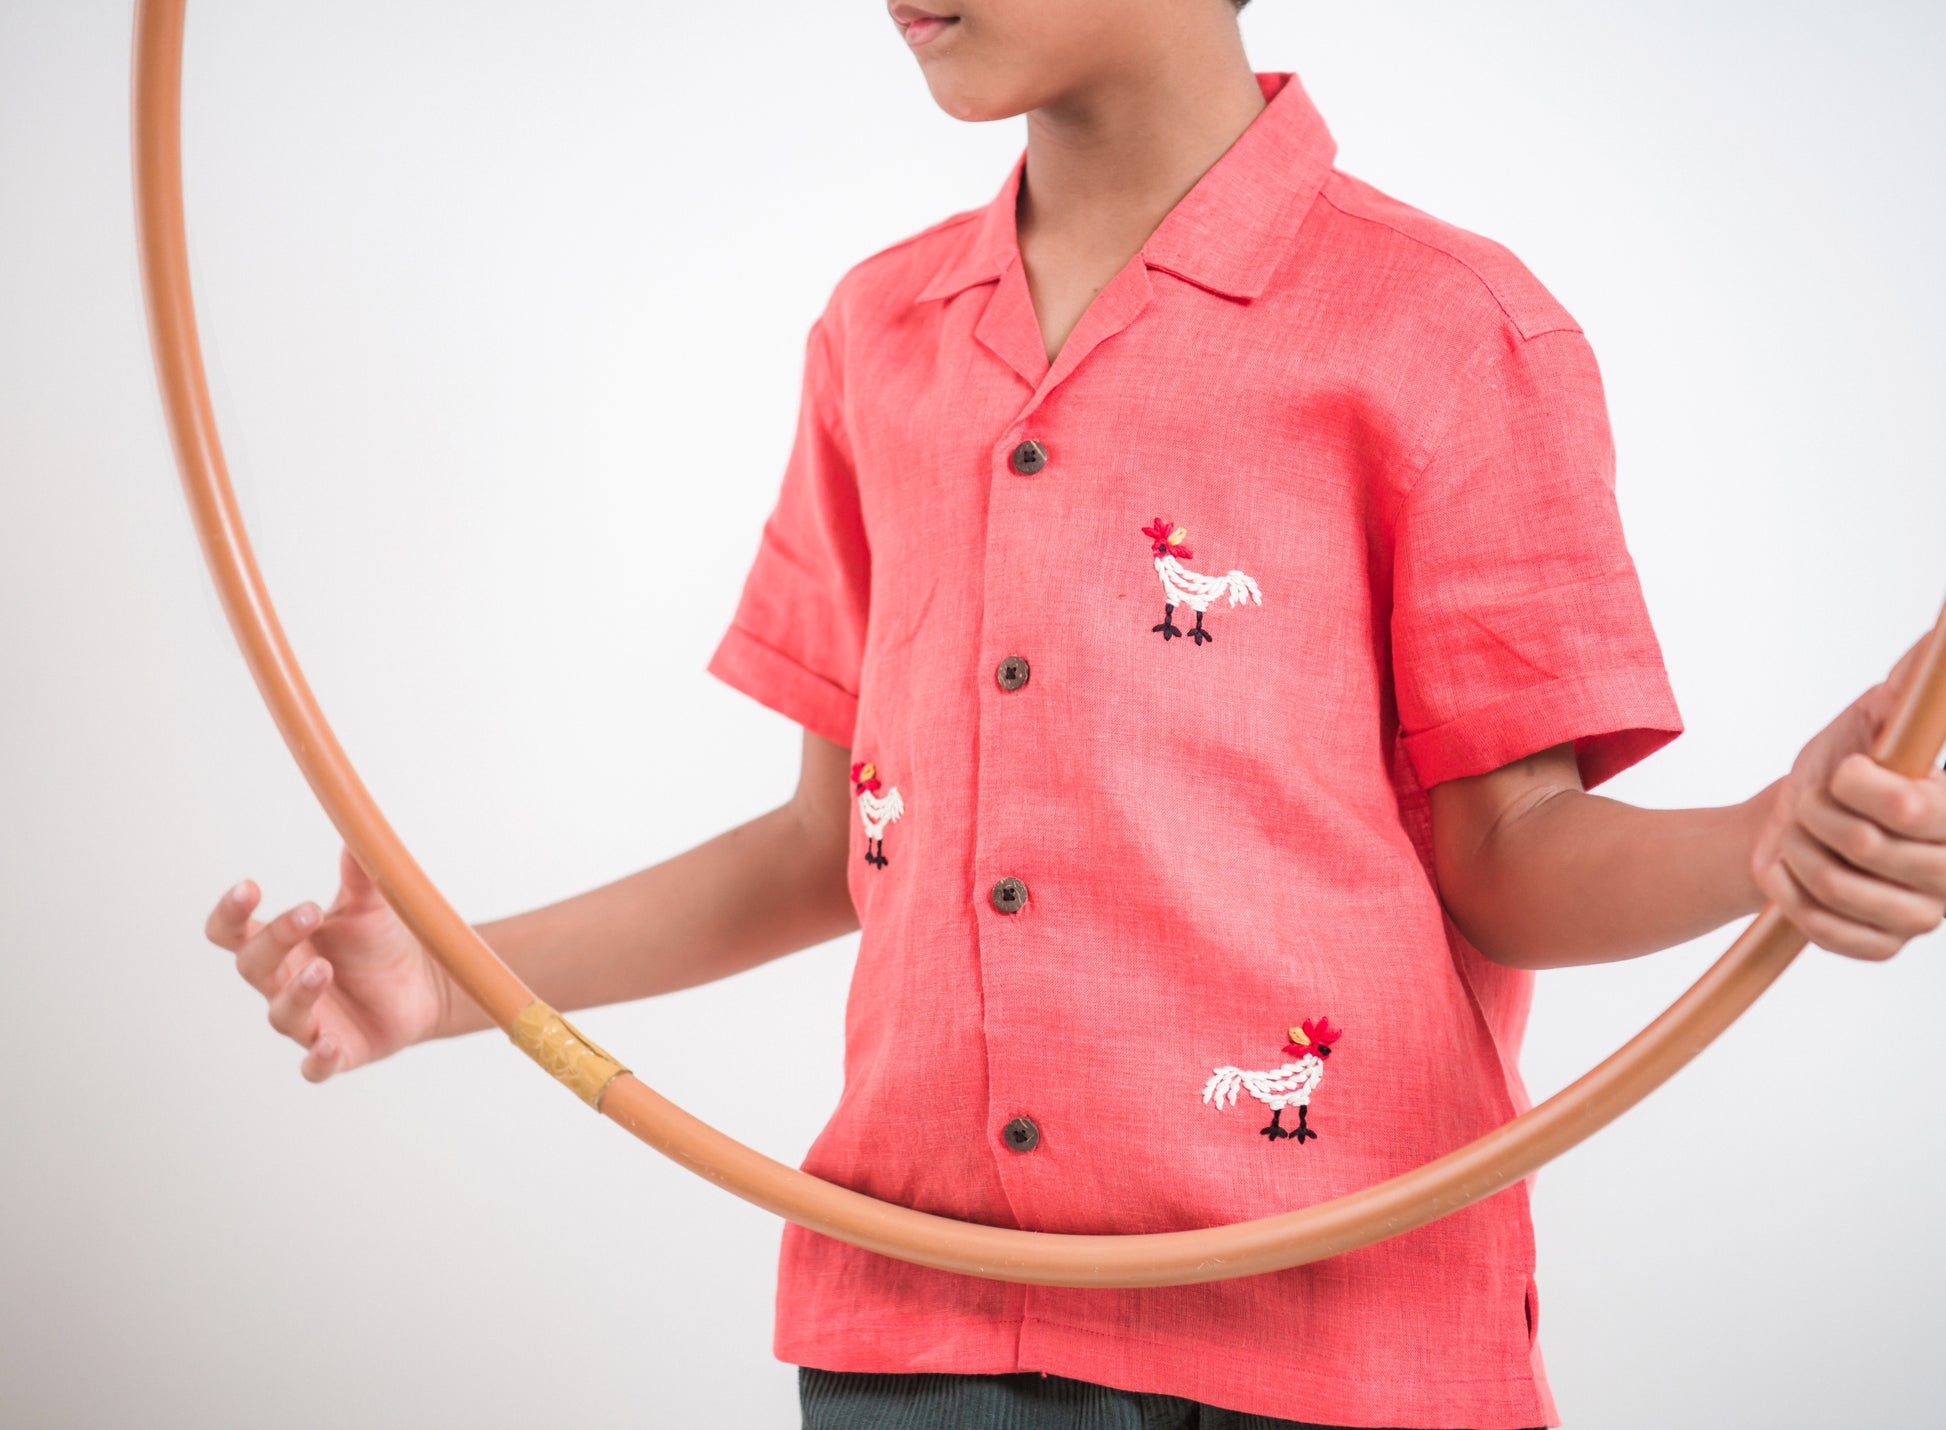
1146	658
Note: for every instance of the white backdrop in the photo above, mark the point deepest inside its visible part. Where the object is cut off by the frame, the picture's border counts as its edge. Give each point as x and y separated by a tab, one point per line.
504	304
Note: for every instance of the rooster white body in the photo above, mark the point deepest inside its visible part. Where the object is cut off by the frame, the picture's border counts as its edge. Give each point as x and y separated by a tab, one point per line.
879	810
1289	1086
1181	585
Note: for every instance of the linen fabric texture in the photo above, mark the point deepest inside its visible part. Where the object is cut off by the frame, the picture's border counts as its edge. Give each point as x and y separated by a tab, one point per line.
1392	431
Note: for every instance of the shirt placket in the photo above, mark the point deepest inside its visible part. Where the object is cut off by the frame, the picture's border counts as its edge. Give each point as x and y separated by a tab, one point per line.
1012	878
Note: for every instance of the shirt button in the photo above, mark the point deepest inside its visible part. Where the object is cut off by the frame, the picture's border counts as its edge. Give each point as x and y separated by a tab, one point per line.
1029	457
1009	895
1021	1134
1012	673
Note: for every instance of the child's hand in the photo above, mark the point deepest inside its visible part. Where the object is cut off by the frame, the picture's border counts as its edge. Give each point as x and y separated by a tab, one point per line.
350	987
1854	854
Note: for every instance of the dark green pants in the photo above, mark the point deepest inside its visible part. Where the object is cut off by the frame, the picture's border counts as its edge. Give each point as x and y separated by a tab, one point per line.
1022	1400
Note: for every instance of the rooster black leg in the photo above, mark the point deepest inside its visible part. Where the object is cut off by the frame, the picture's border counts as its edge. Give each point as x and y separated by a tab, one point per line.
1198	632
1303	1126
1168	627
1276	1128
876	856
882	860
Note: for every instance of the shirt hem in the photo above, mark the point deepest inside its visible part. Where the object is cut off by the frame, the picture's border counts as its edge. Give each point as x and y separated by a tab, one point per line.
748	663
1614	717
1211	1374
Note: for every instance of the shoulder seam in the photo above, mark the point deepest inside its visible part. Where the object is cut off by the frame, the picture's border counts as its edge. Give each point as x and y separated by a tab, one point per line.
1460	391
1478	276
950	221
843	290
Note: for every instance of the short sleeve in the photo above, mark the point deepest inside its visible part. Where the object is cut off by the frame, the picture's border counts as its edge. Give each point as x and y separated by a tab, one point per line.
797	638
1518	621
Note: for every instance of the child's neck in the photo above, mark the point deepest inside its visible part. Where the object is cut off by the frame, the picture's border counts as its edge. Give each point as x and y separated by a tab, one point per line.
1106	164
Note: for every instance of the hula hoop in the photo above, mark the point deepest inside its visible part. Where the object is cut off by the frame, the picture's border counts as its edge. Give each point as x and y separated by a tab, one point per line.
1909	744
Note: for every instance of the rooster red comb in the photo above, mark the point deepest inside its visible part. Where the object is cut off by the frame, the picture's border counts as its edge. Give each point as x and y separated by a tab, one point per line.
1165	541
864	774
1314	1037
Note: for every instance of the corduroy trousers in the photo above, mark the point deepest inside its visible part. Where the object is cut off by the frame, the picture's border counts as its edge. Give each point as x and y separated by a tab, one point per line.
1021	1400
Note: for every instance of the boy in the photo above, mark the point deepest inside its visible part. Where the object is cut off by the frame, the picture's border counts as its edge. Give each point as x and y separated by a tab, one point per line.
1131	886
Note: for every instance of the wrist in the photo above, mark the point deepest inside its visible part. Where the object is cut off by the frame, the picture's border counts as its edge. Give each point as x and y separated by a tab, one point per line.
1756	817
457	1015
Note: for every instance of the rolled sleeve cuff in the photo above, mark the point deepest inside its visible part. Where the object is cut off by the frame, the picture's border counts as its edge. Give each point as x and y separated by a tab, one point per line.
786	685
1614	718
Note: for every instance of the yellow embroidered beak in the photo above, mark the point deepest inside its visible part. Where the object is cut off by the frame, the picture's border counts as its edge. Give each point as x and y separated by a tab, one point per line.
1178	536
1297	1036
869	772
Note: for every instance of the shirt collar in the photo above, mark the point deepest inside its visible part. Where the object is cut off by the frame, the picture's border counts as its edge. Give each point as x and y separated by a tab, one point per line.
1223	234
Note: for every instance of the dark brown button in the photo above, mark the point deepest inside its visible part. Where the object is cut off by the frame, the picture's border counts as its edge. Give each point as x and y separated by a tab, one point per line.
1009	895
1029	457
1021	1134
1012	673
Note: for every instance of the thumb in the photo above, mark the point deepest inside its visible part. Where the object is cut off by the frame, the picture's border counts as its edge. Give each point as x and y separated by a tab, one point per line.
1877	704
359	891
1908	667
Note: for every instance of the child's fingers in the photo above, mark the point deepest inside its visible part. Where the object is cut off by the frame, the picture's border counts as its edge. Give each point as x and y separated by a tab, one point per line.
263	953
1853	895
1822	927
320	1062
1915	808
1863	843
229	924
294	1007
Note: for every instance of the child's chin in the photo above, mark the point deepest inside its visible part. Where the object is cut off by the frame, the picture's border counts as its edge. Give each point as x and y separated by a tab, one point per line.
964	97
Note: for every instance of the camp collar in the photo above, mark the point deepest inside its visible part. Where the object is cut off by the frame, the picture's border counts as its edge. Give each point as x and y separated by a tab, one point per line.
1222	235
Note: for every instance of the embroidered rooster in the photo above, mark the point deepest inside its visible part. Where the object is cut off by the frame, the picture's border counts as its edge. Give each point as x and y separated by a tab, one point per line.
1289	1086
1180	584
877	811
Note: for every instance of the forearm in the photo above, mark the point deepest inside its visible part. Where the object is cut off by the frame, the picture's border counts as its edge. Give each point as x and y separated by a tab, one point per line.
766	888
1576	878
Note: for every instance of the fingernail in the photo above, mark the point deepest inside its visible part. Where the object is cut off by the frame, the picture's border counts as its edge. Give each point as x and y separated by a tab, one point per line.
240	891
313	975
324	1047
305	916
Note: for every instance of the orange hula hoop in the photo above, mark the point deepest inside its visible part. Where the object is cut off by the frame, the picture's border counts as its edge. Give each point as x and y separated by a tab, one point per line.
1909	743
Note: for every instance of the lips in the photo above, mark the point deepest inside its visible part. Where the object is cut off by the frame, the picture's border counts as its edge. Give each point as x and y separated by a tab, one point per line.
921	26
